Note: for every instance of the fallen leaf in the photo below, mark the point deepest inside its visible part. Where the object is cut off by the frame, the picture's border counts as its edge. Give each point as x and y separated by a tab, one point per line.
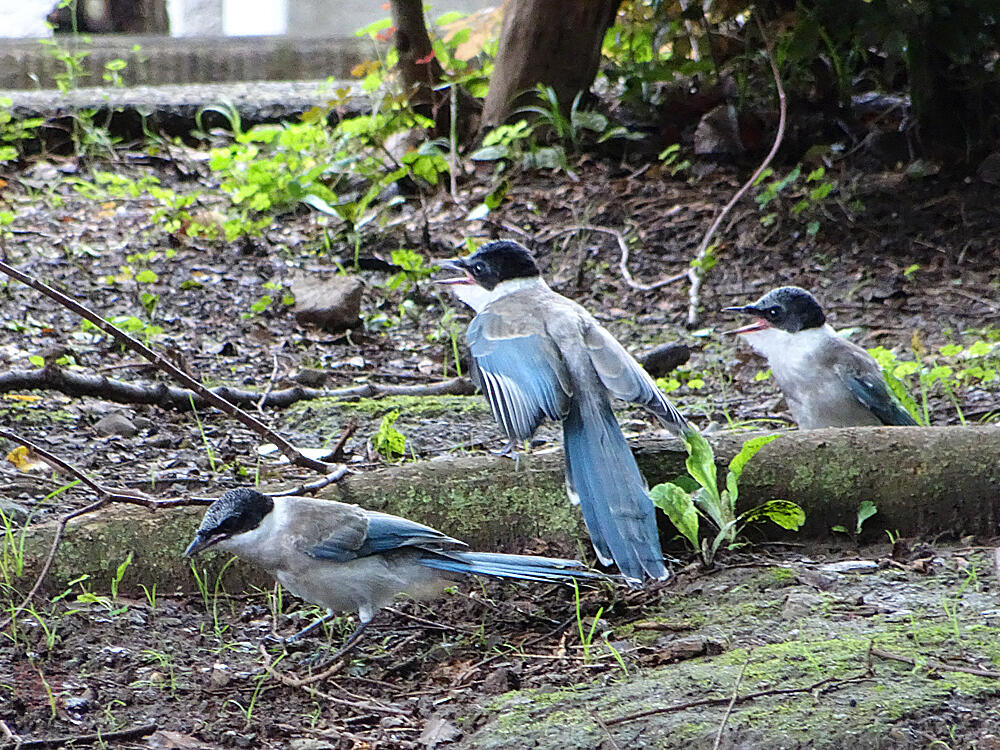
25	460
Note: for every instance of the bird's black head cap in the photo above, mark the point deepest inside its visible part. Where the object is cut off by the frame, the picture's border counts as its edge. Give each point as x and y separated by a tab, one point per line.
501	260
235	512
789	308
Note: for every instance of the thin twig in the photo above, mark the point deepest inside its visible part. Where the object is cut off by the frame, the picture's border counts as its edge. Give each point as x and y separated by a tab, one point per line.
729	709
168	367
602	725
937	666
89	739
270	385
311	487
313	692
338	448
696	273
623	260
827	683
56	538
111	495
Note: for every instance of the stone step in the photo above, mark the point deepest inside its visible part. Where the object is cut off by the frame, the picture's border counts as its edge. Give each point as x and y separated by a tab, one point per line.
173	109
152	60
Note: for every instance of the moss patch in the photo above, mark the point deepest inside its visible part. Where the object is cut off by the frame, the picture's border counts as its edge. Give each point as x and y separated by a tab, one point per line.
858	700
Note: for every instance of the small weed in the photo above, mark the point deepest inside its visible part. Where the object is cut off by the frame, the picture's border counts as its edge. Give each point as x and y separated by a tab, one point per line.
586	634
698	494
204	438
389	442
150	593
866	510
808	195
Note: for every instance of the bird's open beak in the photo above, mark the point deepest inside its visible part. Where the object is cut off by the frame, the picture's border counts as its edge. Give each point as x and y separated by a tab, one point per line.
758	325
202	542
456	264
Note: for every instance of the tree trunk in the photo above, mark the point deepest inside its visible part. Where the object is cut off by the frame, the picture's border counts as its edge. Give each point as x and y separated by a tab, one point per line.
924	482
422	73
554	42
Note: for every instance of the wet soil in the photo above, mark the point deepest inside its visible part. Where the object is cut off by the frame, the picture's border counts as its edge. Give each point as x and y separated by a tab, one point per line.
905	263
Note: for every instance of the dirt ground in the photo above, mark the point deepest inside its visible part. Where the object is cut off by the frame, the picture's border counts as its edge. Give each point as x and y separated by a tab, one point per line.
905	261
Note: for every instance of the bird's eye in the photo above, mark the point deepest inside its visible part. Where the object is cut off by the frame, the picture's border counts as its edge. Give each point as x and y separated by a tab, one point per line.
479	267
772	312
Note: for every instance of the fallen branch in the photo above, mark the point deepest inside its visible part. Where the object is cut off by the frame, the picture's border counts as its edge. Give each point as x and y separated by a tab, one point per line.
623	260
53	377
822	686
170	368
936	666
697	271
88	739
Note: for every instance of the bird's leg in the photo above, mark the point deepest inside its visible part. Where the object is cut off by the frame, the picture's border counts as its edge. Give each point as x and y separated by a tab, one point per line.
510	451
318	664
351	641
308	628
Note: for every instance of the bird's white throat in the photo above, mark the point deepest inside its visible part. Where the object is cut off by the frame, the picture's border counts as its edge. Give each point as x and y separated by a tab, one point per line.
781	346
478	297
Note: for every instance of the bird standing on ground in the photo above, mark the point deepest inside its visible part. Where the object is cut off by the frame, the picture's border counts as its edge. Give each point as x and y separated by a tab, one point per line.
345	558
538	355
827	380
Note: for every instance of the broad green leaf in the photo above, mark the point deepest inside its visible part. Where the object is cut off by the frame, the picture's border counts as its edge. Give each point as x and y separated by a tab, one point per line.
701	463
785	513
866	510
748	451
678	506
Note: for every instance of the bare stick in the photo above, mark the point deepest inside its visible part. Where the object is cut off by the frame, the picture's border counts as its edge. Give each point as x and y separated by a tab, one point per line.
311	487
697	273
56	538
827	683
71	383
295	682
729	709
270	385
937	666
623	260
132	497
89	739
168	367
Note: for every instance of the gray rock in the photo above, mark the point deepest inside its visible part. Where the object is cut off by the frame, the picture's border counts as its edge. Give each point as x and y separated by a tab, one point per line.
14	511
333	304
116	424
665	358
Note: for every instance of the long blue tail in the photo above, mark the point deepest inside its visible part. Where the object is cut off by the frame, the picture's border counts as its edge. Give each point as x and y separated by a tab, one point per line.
520	567
602	476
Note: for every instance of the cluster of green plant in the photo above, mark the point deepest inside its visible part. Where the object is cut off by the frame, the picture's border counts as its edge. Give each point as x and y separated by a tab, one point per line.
686	499
546	138
948	372
389	442
806	196
15	132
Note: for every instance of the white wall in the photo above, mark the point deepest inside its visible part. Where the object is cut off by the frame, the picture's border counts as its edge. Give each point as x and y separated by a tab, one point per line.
25	18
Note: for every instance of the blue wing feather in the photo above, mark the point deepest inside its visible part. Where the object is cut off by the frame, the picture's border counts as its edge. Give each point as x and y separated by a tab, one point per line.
875	396
385	533
522	378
